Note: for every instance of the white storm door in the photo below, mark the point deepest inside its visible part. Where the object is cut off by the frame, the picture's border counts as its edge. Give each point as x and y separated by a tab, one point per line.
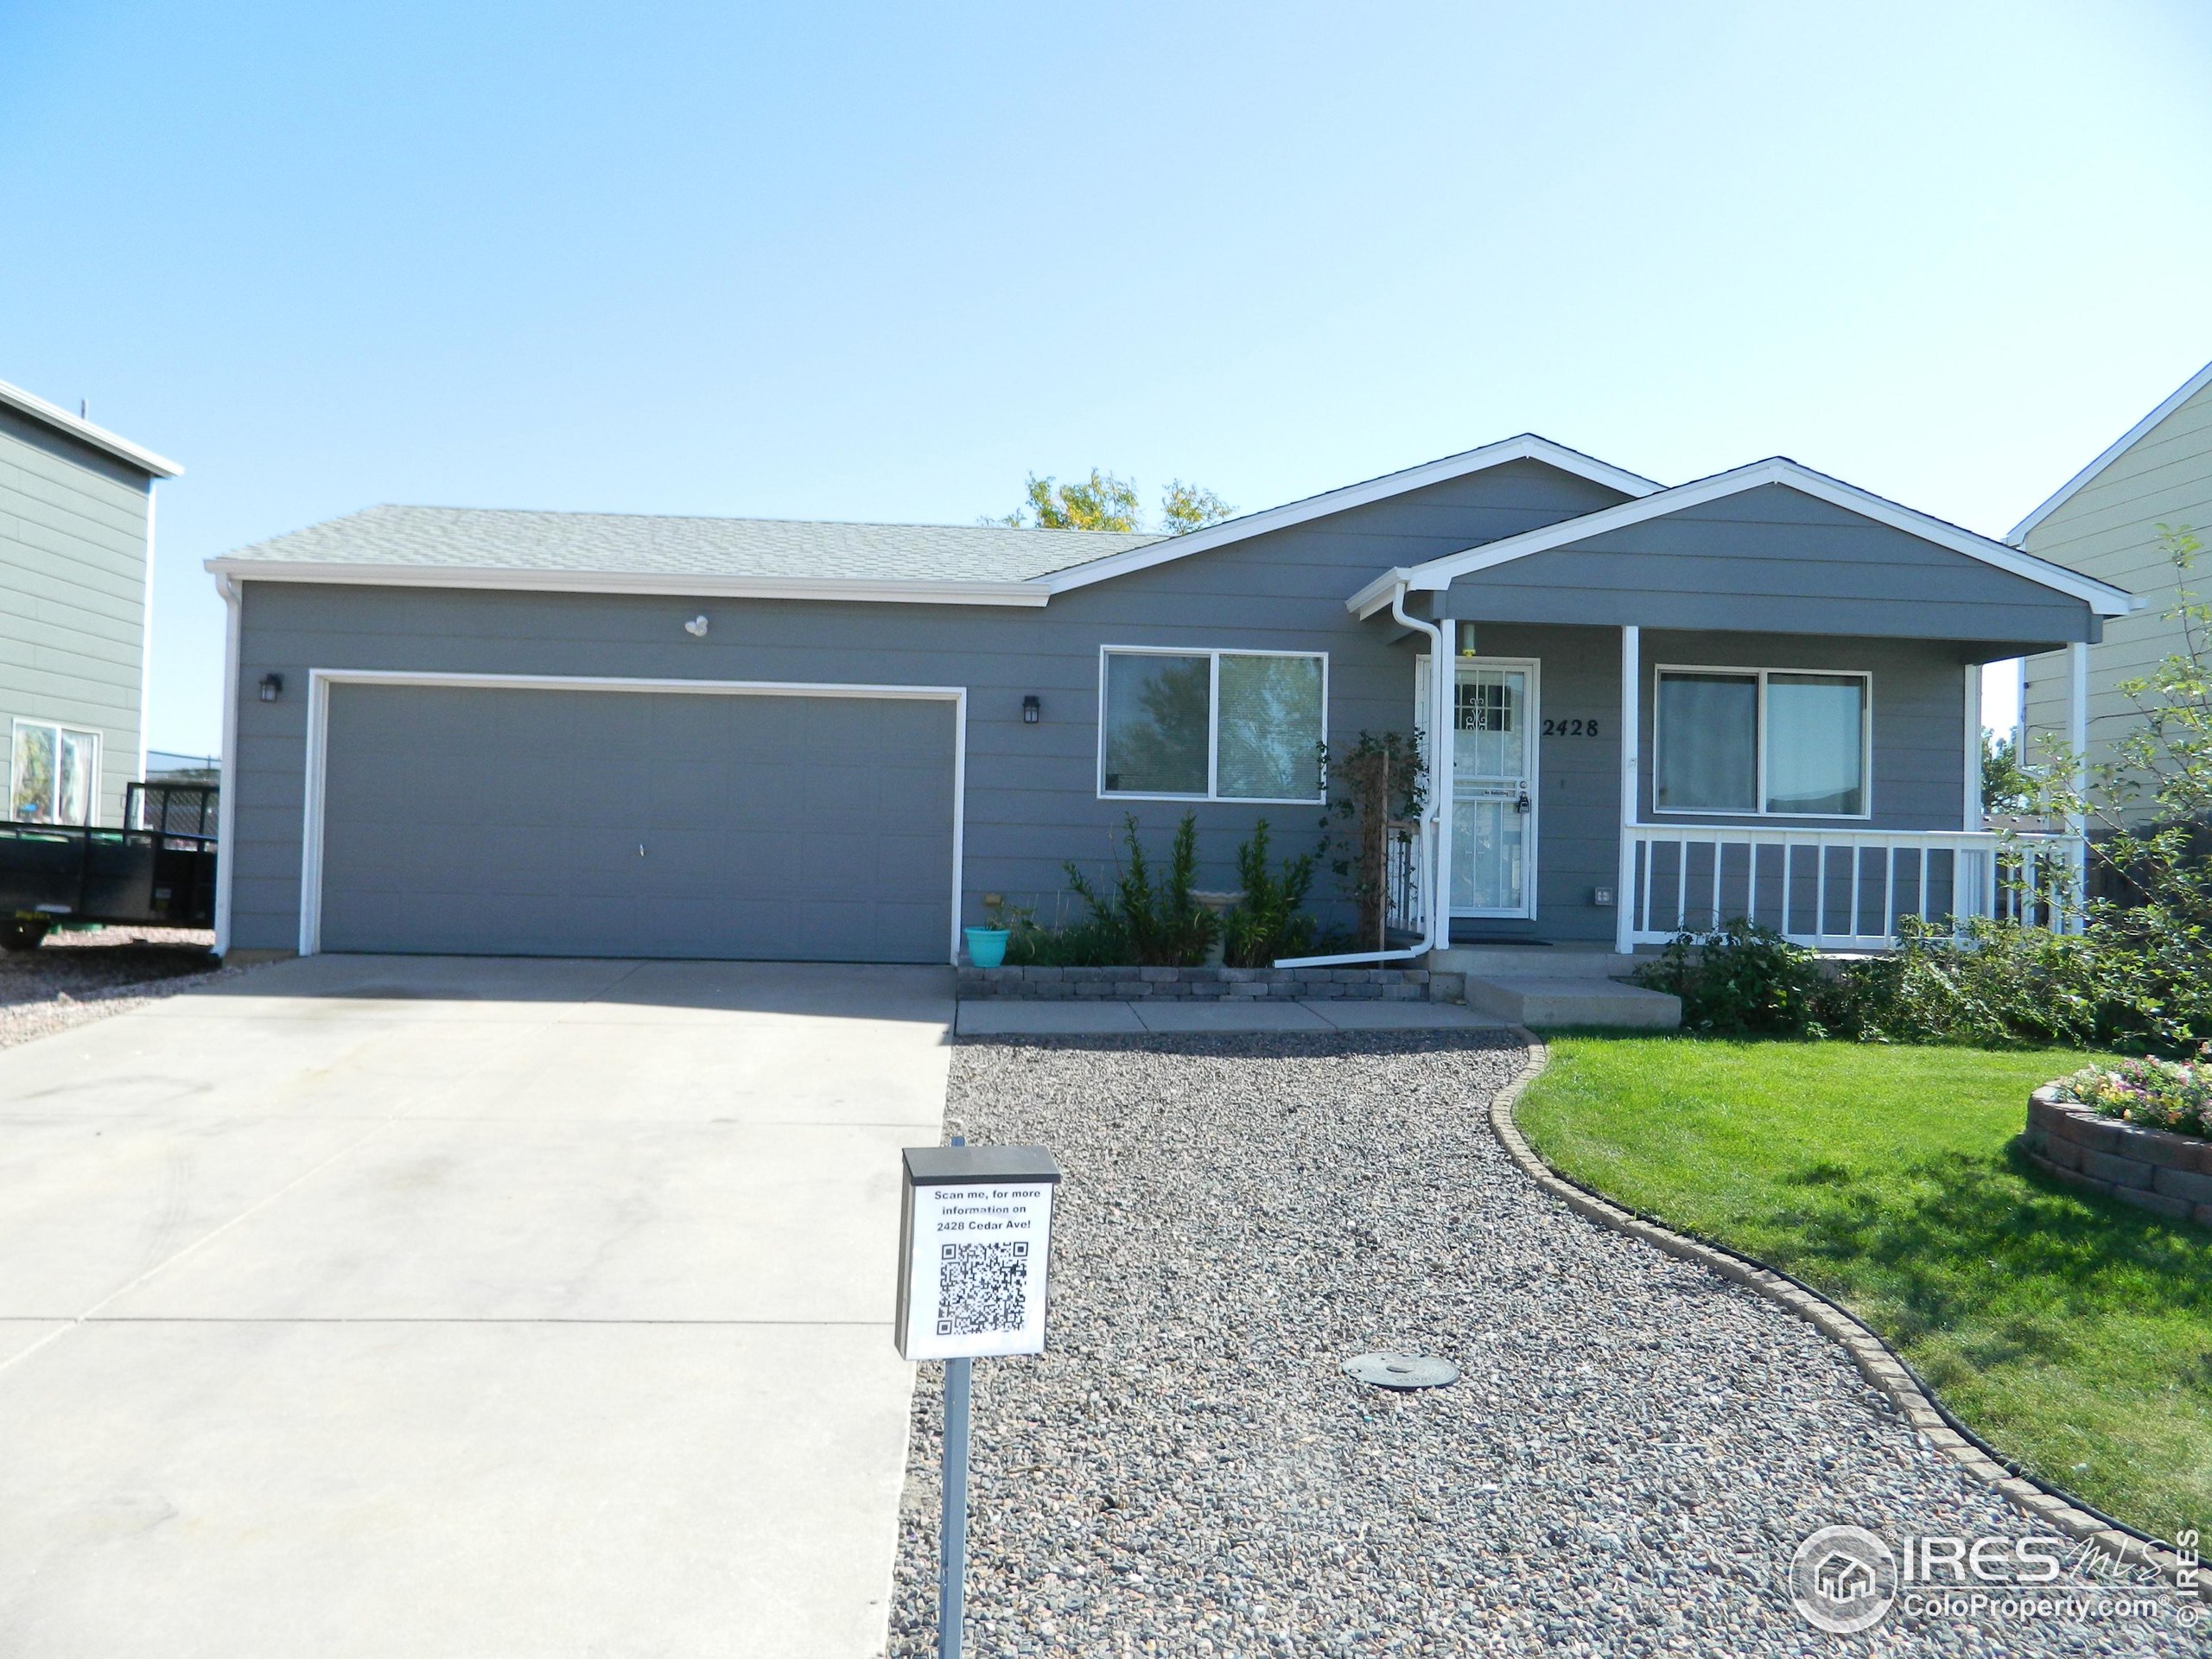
1494	788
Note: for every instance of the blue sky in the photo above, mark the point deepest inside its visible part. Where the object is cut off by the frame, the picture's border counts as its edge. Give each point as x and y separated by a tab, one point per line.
835	261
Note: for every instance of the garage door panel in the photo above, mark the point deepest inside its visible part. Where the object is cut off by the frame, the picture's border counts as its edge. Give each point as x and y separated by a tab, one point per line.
507	821
911	862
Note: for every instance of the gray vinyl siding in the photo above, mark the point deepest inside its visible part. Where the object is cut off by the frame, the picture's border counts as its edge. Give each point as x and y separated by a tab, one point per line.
1918	693
1032	795
73	593
1773	559
1032	800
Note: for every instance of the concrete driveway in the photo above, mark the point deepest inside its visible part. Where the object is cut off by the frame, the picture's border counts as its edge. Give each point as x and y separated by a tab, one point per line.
434	1306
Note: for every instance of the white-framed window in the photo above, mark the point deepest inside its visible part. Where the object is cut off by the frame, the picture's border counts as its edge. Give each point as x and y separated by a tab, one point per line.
1211	725
1771	742
54	774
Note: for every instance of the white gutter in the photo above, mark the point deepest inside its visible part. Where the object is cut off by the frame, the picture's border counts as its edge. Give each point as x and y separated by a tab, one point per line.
674	584
1435	932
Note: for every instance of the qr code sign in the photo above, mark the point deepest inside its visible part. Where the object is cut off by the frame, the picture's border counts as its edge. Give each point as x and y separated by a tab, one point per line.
982	1288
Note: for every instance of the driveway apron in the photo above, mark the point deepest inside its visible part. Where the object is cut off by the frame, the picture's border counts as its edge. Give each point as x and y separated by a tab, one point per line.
435	1305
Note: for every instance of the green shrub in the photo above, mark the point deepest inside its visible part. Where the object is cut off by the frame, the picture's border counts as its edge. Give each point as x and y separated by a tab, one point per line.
1270	920
1148	920
1740	980
2130	980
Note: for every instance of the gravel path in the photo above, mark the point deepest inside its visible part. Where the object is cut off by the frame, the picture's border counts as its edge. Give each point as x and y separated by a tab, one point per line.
1635	1449
76	977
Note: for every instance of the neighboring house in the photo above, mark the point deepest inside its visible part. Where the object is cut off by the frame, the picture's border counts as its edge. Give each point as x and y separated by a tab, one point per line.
76	559
2104	521
575	733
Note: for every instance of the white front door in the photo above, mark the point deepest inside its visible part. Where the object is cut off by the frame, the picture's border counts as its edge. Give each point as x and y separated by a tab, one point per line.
1494	788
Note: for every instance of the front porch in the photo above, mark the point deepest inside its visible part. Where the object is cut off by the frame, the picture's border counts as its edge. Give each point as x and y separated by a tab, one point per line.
1545	827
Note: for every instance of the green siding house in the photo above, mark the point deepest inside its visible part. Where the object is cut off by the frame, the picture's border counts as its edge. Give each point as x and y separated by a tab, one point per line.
2105	522
76	552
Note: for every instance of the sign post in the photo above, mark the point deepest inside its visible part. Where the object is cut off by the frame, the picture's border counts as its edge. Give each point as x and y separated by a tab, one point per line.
975	1242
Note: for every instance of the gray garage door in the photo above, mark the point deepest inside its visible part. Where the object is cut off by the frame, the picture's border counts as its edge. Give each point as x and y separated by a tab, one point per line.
546	823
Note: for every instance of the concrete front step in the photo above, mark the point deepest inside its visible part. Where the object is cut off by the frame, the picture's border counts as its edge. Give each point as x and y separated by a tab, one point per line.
1529	962
1539	1000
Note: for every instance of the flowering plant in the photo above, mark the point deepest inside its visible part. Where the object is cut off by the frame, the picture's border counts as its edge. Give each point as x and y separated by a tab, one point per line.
2175	1094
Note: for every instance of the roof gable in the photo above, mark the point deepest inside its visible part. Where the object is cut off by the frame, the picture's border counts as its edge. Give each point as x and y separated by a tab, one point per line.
1526	447
98	437
1436	575
2128	440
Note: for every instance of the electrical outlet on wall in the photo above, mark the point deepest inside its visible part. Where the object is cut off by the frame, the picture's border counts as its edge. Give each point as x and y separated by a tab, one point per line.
1602	897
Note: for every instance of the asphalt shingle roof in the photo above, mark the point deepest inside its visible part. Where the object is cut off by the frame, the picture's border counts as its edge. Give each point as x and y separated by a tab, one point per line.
486	538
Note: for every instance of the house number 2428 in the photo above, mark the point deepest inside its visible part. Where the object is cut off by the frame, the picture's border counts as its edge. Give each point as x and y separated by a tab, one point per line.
1575	727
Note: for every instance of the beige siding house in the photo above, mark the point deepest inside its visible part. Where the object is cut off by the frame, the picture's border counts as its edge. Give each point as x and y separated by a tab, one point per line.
2104	523
76	549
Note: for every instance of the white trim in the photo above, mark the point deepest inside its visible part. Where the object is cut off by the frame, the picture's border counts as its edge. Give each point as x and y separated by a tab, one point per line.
1525	447
1737	671
2077	726
1438	573
321	679
1972	818
676	584
2134	434
60	728
1631	779
1532	765
227	797
1212	796
53	415
146	639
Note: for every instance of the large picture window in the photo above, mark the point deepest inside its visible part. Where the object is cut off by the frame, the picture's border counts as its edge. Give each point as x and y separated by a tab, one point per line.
1212	725
1767	741
54	774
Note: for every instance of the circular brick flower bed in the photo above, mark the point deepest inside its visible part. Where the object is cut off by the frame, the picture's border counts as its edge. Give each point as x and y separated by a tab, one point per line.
2169	1175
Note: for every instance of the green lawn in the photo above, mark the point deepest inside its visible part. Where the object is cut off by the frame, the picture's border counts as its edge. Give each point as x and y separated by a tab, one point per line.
2072	1333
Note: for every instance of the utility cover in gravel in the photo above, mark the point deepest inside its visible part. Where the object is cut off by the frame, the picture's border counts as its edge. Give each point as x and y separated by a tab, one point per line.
1634	1448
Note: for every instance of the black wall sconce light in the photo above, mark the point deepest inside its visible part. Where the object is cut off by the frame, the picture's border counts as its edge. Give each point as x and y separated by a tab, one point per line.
1031	710
272	687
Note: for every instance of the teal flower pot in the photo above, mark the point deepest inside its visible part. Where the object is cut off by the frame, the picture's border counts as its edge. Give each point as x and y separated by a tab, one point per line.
986	946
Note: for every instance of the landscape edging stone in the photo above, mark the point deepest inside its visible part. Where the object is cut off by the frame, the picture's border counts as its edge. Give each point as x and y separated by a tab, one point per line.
1881	1367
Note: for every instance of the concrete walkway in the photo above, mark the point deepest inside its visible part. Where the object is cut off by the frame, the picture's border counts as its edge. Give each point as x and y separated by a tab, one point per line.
1019	1017
416	1306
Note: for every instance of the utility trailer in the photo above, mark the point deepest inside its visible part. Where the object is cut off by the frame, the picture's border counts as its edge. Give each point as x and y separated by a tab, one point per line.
158	872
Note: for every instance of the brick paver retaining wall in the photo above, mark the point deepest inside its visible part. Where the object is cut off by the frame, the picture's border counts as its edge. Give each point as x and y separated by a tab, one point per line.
2169	1175
1216	984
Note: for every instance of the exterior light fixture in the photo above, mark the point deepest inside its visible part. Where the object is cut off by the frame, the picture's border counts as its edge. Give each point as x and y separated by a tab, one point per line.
1031	710
696	627
272	687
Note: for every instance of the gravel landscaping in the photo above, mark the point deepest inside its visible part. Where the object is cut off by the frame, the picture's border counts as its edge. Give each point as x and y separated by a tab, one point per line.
77	976
1634	1448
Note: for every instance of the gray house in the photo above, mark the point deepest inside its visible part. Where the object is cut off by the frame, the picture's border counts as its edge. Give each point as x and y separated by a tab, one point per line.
474	731
76	553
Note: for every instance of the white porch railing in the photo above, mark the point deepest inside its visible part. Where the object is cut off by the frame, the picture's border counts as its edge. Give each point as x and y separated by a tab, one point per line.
1838	889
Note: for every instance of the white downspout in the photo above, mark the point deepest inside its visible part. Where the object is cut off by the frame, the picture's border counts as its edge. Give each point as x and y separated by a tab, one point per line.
227	795
1435	919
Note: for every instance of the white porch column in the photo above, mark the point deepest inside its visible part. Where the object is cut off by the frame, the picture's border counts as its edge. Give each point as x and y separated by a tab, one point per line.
1973	819
1443	689
1632	771
2077	741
